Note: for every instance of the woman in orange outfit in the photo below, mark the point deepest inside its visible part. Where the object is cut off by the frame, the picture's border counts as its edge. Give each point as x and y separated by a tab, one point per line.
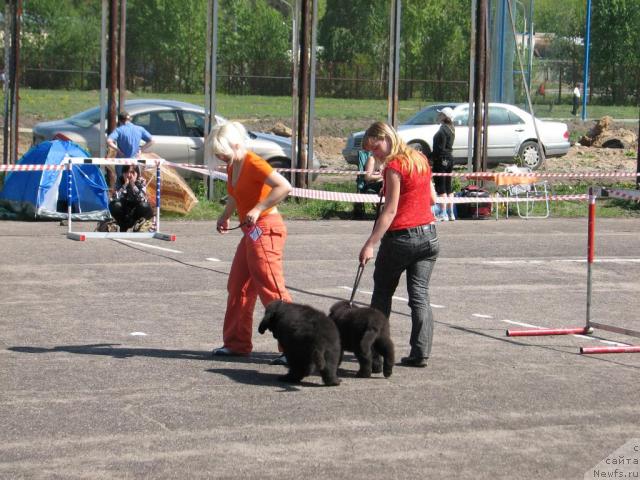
254	189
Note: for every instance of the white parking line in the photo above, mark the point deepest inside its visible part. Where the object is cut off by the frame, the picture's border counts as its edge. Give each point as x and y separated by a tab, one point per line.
212	259
138	334
480	315
147	245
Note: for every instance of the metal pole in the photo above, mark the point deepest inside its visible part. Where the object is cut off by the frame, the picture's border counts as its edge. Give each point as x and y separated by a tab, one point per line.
69	193
479	81
531	47
8	73
15	96
158	188
295	59
590	250
472	67
503	19
394	62
312	83
210	85
587	48
122	83
303	98
113	63
103	78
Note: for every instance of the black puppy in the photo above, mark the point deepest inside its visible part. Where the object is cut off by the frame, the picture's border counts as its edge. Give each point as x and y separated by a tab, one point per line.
307	337
365	332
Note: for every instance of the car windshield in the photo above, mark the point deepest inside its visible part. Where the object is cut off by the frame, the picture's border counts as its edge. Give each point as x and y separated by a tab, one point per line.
85	119
428	116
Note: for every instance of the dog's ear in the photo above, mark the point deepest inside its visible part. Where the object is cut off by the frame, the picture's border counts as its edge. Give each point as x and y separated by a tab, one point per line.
270	316
338	309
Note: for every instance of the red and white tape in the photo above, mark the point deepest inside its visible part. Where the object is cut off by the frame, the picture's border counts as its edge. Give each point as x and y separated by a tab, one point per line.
625	194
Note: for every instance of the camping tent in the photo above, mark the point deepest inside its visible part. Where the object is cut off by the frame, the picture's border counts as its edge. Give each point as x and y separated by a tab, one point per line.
42	195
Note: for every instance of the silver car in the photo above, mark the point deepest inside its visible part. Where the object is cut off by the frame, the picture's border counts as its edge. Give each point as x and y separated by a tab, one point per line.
177	129
512	136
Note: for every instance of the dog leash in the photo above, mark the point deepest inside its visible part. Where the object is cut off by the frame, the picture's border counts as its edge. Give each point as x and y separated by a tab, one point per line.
356	283
235	228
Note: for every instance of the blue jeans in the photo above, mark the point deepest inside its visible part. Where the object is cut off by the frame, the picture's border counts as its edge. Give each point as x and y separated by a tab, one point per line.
414	251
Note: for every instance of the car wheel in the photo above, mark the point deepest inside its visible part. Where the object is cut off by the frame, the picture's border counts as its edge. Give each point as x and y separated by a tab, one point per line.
531	155
280	162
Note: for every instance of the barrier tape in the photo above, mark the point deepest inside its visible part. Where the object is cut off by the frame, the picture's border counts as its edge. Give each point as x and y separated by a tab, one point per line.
204	170
624	194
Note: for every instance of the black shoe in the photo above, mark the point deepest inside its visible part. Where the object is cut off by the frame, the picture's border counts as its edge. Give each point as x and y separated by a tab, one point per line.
281	360
413	362
225	352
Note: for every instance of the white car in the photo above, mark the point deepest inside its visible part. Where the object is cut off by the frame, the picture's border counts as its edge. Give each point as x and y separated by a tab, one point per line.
512	136
177	129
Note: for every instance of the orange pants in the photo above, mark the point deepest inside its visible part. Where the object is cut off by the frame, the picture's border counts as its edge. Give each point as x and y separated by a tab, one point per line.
256	271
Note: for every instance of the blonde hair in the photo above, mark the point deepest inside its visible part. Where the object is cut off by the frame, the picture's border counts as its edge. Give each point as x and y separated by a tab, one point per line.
408	157
223	137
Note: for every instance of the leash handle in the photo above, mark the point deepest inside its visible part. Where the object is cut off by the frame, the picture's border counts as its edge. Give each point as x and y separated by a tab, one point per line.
356	282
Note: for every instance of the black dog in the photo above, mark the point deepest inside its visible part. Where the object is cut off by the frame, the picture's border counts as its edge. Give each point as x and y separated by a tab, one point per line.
365	332
307	337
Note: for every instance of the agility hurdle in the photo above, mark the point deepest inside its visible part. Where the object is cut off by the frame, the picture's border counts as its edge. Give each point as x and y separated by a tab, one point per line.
589	324
82	236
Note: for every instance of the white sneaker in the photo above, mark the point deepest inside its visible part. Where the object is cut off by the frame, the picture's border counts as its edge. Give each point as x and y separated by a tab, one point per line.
452	217
443	218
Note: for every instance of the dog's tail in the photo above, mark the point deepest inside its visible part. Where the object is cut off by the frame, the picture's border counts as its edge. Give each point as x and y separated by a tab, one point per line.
384	346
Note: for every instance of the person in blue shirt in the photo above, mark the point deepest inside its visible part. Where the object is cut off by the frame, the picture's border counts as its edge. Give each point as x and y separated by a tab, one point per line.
126	138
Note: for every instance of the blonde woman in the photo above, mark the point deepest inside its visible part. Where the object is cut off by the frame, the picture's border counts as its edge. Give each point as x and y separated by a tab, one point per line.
407	234
254	189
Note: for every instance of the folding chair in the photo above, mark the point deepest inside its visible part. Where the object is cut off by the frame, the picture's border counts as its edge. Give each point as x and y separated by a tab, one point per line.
533	191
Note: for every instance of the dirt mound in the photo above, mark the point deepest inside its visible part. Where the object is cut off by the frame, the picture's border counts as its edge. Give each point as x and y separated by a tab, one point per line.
605	134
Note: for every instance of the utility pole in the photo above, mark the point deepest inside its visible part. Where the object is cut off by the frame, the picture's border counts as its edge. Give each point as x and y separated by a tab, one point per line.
479	83
303	98
122	43
13	16
113	65
394	62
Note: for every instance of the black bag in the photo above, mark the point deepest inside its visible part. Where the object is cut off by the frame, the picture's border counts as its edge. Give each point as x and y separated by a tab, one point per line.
475	211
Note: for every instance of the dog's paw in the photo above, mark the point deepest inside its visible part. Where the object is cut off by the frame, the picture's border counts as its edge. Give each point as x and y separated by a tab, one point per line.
363	373
387	372
334	382
376	368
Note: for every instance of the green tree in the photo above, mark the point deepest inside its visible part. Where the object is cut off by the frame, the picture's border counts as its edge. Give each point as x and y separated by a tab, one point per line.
65	42
435	46
615	47
166	43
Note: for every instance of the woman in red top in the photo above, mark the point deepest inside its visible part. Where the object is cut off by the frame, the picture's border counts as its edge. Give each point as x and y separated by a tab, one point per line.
254	189
407	234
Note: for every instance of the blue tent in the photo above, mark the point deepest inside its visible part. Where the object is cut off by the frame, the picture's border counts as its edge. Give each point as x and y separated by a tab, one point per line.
42	195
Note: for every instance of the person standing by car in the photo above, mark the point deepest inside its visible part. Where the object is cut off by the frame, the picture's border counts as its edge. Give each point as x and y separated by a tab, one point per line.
407	234
125	140
575	100
254	189
442	158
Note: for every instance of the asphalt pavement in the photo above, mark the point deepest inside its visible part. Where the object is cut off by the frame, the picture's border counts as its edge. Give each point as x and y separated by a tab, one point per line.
106	370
